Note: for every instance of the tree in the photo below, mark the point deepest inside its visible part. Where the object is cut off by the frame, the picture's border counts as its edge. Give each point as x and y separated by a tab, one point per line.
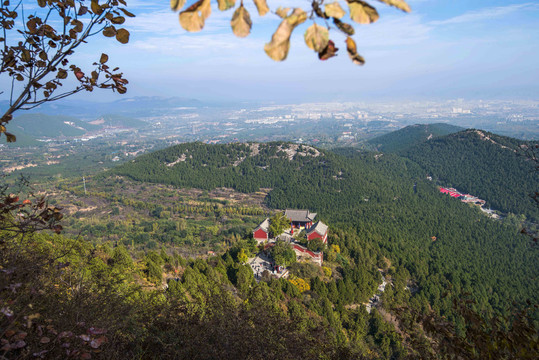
316	36
278	223
36	50
316	245
242	256
283	254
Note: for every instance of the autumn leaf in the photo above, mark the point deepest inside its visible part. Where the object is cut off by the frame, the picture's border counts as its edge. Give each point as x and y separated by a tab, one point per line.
10	137
241	22
226	4
361	12
352	52
96	9
109	31
104	58
176	5
261	6
316	37
399	4
334	10
278	47
329	51
122	36
282	12
344	27
192	19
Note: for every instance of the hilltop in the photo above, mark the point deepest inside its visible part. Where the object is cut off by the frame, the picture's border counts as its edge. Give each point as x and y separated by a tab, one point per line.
411	135
484	164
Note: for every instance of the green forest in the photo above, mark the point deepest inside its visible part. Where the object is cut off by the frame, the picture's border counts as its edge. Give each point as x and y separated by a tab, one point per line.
125	288
486	165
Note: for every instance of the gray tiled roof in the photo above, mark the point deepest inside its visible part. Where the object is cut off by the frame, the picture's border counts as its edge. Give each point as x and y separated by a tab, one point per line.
299	215
319	227
264	225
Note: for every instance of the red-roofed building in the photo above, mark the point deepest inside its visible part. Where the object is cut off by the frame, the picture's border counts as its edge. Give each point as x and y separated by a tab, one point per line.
318	231
261	232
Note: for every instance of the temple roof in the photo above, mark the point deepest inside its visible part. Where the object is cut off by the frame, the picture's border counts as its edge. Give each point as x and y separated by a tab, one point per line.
264	225
319	228
299	215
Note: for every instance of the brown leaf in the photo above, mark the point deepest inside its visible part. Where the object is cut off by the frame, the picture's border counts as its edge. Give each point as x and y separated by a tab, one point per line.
127	13
329	52
262	7
399	4
316	37
117	20
226	4
104	58
96	9
62	74
77	25
334	10
192	19
109	31
241	22
361	12
278	47
45	340
176	5
10	137
122	36
344	27
352	52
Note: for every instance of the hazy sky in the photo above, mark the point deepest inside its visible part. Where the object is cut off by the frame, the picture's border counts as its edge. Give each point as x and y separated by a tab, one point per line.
443	49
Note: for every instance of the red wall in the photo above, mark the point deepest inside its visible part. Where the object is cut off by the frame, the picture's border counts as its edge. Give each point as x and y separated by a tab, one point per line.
315	235
260	234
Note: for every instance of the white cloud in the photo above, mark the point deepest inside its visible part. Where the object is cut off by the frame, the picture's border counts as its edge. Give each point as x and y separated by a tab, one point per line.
486	14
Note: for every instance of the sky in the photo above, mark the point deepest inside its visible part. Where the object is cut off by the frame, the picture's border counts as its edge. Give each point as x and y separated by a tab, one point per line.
443	49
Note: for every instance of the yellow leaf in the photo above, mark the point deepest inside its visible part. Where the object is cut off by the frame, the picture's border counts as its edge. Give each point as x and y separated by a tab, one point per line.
278	47
399	4
261	6
241	22
282	12
226	4
352	52
361	12
176	5
334	10
316	37
192	19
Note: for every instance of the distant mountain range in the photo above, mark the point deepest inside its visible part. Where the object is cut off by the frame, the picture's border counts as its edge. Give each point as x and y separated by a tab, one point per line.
136	106
29	127
409	136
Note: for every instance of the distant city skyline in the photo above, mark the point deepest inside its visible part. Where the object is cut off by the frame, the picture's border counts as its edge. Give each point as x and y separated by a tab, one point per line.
458	49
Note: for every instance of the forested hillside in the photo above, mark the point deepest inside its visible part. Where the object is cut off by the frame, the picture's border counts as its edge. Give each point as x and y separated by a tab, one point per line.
373	197
41	125
486	165
122	289
409	136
